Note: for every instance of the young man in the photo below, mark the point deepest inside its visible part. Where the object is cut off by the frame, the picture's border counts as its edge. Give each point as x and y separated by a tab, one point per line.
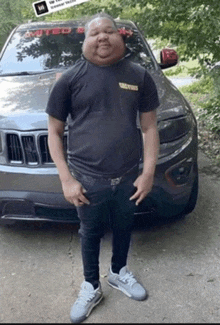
101	95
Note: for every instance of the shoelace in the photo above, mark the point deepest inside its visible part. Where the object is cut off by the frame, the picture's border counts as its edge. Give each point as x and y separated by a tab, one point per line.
129	277
84	297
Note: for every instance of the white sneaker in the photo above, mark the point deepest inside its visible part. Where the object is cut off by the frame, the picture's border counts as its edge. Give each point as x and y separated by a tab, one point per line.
88	298
126	282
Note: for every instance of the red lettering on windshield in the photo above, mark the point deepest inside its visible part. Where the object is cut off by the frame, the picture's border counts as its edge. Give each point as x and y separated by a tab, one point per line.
80	30
66	30
56	31
53	31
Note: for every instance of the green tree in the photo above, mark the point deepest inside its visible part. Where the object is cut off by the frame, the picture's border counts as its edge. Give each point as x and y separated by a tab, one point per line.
192	25
13	13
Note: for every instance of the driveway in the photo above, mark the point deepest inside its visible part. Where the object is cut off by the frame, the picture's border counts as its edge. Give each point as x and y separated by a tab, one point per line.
182	81
179	263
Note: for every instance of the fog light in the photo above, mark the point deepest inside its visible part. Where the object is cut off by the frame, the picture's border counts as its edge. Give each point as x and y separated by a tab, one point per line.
178	174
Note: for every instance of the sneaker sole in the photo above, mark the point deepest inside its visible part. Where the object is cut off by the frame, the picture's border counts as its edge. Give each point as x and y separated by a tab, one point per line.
126	292
79	320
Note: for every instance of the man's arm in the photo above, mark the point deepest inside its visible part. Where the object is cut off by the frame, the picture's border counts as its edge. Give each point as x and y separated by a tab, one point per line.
72	189
144	182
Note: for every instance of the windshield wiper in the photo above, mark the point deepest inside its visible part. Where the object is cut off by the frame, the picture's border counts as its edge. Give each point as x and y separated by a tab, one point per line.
25	73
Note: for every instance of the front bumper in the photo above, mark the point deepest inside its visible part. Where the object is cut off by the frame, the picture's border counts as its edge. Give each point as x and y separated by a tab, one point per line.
33	194
36	193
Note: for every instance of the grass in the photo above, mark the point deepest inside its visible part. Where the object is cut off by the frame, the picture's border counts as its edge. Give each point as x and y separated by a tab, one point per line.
182	69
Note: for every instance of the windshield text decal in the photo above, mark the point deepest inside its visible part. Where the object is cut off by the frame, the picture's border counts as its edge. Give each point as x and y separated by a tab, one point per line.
48	31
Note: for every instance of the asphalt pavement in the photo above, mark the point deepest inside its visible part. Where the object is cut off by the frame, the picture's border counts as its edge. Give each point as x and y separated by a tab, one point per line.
182	81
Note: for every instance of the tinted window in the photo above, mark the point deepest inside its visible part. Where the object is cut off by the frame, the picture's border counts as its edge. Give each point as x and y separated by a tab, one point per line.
39	50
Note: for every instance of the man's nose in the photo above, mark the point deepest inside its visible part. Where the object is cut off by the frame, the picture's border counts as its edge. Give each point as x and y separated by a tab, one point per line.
102	36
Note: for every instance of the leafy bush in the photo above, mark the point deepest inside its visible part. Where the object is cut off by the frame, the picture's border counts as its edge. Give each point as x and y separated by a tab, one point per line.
211	114
202	86
212	106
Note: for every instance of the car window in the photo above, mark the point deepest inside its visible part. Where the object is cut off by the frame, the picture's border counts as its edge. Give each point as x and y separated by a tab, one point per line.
139	51
39	50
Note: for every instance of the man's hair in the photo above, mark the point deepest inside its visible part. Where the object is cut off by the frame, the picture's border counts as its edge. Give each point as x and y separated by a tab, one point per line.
100	15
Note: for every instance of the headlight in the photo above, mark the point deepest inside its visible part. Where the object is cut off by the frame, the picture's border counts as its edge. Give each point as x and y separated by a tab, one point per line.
173	129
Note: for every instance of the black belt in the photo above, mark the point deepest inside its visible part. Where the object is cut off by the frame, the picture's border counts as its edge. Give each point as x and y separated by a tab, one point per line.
113	181
117	180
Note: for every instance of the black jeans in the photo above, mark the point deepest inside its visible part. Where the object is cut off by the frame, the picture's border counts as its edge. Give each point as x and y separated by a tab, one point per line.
109	205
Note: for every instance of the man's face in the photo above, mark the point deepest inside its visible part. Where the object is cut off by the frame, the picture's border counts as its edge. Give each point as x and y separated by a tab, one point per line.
103	44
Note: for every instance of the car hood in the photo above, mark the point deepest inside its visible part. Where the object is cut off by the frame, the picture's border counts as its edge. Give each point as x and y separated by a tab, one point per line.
172	102
23	100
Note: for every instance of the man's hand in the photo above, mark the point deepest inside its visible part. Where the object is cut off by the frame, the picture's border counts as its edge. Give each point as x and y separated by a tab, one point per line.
144	184
73	192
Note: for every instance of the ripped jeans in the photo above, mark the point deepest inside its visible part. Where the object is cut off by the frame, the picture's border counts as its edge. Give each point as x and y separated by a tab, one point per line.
109	206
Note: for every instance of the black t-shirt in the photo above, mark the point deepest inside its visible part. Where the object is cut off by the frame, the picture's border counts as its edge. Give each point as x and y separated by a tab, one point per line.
100	104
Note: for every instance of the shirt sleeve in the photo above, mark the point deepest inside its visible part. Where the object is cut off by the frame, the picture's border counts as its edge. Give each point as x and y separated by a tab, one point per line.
59	101
149	100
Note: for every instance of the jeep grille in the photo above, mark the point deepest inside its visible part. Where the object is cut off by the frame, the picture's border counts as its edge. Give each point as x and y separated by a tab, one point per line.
30	150
14	149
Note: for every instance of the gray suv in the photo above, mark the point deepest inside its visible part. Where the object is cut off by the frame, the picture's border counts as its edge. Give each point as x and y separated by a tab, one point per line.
33	57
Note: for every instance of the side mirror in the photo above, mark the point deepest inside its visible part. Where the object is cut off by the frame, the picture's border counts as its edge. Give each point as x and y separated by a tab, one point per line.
168	58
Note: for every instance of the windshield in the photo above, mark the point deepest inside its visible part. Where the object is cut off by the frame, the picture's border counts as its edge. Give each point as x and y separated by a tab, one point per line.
44	49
